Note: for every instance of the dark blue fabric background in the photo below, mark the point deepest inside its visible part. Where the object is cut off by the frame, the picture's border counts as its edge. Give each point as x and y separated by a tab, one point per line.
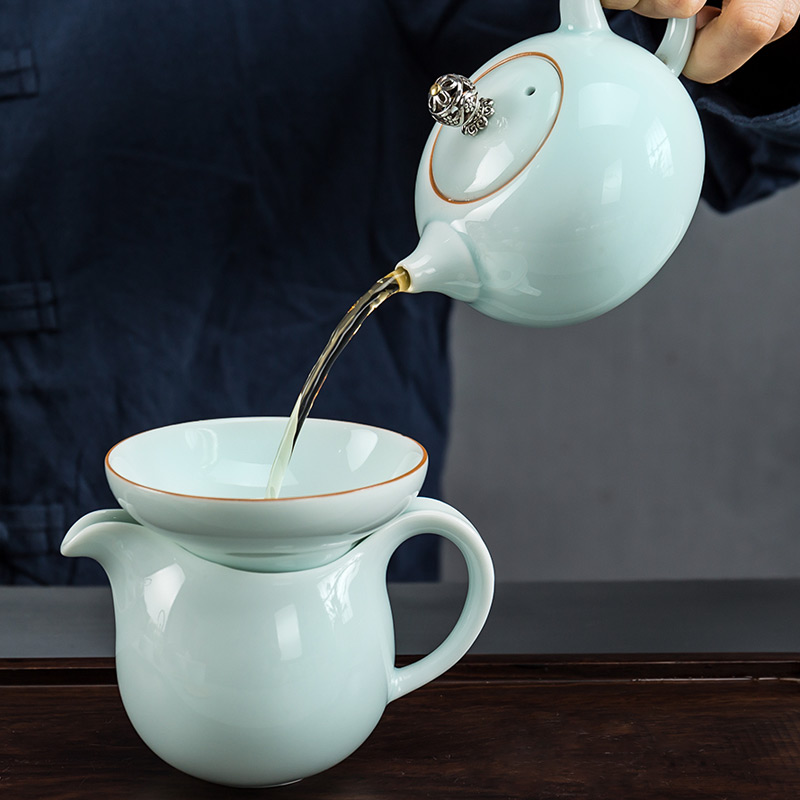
193	193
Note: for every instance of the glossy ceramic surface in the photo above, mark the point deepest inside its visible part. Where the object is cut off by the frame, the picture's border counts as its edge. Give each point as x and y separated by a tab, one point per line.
251	678
203	483
579	189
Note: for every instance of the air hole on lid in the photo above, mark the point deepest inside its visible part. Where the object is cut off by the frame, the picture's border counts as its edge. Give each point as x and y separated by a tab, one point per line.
530	90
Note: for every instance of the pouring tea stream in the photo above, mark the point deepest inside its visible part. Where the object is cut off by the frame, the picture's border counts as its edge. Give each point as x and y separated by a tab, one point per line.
557	181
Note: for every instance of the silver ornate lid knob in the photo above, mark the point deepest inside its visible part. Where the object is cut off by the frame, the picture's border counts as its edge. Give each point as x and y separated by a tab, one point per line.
453	100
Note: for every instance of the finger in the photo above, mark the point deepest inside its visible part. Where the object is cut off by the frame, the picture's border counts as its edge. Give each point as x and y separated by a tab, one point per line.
659	9
705	15
791	12
725	42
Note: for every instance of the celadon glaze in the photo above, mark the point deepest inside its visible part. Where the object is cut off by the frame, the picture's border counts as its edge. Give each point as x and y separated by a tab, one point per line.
579	189
202	484
256	678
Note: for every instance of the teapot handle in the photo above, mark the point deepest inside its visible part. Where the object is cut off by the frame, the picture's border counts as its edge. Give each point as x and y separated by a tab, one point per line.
587	15
431	516
677	43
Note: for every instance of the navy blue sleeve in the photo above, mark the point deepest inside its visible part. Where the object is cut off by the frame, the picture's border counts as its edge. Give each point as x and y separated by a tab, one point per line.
460	35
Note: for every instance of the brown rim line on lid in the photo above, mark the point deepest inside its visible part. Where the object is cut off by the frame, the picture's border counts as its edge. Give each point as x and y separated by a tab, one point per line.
434	185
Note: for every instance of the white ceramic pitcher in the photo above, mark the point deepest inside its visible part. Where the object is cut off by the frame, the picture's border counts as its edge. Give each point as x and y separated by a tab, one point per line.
254	637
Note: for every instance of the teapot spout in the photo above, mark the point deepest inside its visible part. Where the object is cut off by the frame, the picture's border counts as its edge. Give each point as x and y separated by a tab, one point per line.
582	15
442	262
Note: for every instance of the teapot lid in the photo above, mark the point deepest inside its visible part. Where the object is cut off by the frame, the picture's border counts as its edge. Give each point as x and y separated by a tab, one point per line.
504	116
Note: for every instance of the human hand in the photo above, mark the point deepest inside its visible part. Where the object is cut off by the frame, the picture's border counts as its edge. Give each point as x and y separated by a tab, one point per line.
725	38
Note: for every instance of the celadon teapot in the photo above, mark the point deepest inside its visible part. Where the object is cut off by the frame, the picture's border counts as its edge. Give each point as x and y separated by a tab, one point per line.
561	176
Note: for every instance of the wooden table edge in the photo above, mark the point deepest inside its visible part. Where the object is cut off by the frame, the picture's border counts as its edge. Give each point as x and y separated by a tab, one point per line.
496	668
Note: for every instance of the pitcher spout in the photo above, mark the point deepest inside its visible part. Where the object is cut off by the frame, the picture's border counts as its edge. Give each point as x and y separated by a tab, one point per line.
90	534
117	542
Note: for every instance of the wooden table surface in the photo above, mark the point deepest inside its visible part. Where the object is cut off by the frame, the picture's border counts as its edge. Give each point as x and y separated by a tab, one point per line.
534	727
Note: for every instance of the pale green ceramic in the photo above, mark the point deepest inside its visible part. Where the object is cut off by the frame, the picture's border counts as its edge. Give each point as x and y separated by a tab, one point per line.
254	637
581	186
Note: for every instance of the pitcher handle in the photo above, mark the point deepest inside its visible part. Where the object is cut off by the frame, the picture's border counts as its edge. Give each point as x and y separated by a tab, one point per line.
431	516
677	43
